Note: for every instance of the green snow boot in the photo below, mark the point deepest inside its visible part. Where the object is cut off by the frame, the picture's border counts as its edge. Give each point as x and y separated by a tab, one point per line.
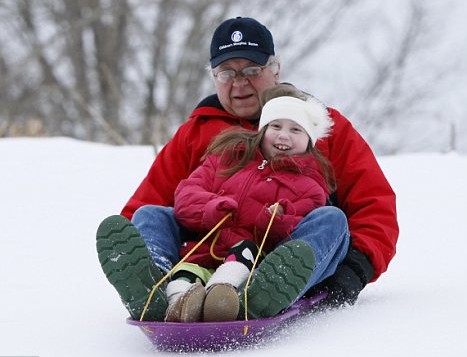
278	280
128	266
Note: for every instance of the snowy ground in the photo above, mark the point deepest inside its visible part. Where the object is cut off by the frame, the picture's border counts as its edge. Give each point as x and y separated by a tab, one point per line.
57	302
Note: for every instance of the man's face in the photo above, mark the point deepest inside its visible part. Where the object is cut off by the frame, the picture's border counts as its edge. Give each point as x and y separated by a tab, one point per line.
240	95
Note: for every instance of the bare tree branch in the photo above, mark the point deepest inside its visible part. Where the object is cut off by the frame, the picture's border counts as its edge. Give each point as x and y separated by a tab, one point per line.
130	71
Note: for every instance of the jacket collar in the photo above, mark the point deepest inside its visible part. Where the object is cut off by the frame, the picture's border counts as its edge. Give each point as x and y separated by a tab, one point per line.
302	163
211	106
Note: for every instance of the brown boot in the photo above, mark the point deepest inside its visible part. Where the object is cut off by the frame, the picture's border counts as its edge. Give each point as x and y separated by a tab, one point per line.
188	307
221	303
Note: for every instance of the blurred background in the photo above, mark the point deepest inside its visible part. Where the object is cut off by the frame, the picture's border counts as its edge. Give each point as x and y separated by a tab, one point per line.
129	72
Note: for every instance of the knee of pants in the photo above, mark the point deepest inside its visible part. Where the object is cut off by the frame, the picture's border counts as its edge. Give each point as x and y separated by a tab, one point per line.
150	211
332	215
324	227
327	216
331	211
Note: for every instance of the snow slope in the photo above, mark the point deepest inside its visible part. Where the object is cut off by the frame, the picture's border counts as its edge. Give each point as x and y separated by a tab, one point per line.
57	302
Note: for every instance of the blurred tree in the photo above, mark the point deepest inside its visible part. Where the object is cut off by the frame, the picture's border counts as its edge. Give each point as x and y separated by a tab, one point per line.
131	71
402	83
120	71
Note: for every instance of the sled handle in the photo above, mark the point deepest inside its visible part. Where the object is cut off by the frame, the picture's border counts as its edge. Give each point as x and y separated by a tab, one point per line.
159	283
273	215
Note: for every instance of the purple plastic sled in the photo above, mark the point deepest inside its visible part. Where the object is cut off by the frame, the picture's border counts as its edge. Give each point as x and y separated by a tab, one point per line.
215	336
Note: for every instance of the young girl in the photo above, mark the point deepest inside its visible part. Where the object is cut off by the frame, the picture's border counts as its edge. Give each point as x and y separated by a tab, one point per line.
245	173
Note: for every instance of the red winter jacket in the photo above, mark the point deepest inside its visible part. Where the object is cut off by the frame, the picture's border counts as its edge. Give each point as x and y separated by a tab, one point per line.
363	192
203	199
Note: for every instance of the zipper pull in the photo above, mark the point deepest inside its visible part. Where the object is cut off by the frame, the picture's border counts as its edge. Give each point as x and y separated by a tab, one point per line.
261	167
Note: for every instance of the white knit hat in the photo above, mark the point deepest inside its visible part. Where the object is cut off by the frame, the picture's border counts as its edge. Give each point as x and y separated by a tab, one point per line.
311	114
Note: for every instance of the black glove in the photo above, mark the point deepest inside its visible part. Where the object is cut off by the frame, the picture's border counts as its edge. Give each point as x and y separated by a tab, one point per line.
348	280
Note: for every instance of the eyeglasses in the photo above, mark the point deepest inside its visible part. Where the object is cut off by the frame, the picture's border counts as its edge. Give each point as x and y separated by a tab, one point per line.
228	75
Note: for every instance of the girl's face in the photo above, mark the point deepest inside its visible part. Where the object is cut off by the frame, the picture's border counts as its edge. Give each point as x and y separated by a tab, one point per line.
284	137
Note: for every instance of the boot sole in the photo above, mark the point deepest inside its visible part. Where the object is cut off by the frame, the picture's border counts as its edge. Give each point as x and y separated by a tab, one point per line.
221	304
279	280
128	266
189	307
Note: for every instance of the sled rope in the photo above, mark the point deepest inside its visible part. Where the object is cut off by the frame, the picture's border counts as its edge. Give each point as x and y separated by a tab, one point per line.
273	215
159	283
211	249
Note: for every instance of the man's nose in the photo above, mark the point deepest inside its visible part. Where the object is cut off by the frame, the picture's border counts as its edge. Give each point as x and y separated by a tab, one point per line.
240	80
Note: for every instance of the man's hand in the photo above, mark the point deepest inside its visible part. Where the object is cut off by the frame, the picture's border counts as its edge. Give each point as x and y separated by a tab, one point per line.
344	286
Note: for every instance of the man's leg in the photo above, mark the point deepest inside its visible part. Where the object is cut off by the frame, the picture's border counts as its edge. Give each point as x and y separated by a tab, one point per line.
128	266
161	233
327	232
319	243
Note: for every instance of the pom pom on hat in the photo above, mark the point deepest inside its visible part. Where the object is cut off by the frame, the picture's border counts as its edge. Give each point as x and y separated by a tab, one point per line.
311	114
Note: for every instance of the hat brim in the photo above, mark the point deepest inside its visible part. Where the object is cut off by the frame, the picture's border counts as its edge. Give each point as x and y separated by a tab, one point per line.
258	57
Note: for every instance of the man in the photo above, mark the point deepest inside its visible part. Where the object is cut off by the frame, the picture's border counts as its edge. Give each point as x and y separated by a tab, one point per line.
243	64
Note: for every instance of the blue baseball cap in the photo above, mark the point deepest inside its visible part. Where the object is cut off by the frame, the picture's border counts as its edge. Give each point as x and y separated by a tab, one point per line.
241	37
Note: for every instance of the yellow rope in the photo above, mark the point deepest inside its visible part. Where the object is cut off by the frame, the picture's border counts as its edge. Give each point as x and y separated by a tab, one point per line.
179	263
274	212
211	250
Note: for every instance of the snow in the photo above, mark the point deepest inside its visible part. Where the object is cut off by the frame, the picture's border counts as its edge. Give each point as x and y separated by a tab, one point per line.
57	302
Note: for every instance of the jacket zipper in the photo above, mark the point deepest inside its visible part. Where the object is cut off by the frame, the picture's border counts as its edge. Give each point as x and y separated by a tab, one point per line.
263	164
247	182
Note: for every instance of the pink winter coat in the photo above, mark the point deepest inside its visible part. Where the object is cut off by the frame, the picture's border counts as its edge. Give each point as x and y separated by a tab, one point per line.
206	196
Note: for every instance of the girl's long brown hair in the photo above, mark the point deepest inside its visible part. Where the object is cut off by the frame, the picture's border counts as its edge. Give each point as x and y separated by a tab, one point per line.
237	146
